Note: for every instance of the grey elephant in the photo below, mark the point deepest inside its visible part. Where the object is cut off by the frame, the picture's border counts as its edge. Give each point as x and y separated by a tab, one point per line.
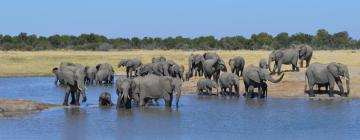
263	64
90	75
144	69
206	85
305	53
237	64
327	74
255	77
287	57
212	68
74	79
177	71
124	89
229	81
156	87
161	68
211	55
158	59
196	62
105	74
105	99
59	78
187	76
130	64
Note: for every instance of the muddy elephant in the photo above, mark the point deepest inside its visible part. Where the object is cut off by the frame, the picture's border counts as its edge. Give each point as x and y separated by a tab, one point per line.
206	85
90	75
196	62
287	57
212	68
130	64
229	81
305	53
124	89
236	65
263	64
74	79
158	59
255	77
105	99
157	87
327	75
59	78
105	74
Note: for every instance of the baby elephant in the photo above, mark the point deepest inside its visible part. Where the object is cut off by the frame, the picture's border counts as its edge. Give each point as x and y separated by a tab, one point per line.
105	99
207	85
228	81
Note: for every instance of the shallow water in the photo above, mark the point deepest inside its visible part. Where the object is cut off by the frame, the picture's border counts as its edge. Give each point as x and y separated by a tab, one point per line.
198	117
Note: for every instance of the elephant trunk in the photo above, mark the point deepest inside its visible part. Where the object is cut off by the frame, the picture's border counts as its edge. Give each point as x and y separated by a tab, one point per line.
178	94
278	80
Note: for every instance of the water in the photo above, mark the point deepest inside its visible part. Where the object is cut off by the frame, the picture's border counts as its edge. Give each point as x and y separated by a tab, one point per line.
198	117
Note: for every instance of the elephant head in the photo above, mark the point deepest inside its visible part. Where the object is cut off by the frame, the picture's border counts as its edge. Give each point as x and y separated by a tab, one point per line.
275	56
340	70
126	86
105	99
221	65
123	63
232	64
262	75
302	50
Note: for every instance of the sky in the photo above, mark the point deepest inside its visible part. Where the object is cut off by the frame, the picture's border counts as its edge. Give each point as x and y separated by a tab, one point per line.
170	18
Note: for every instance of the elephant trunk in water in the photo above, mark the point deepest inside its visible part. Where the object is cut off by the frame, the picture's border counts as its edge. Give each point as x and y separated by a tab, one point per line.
278	80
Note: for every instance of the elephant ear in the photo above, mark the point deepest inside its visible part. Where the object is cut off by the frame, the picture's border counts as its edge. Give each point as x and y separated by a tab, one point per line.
255	76
333	68
279	55
302	50
98	66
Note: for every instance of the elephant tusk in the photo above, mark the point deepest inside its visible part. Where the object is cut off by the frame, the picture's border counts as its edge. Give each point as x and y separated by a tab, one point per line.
128	97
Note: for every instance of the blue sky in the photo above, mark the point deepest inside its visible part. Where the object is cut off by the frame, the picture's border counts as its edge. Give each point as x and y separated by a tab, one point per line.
189	18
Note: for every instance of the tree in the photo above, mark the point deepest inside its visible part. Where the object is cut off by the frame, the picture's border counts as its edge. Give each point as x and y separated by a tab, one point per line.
281	40
340	40
322	39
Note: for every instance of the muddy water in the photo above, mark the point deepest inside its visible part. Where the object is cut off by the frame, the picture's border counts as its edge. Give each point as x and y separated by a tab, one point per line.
196	118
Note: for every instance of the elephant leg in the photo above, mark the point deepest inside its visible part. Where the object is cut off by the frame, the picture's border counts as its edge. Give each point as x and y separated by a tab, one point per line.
142	101
260	91
67	93
167	100
72	102
341	88
77	98
118	103
311	90
295	61
230	91
242	69
210	91
331	92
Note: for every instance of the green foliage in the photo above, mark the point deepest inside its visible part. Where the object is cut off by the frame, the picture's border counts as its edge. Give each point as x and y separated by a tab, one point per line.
263	40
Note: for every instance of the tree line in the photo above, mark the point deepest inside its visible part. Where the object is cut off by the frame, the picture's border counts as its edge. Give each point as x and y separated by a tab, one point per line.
321	40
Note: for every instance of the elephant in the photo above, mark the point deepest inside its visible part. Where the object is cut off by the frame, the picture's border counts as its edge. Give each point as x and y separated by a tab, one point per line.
104	77
130	64
161	68
144	69
196	62
74	79
327	75
187	76
58	76
105	73
124	88
207	85
158	59
287	56
237	64
90	75
212	68
255	77
211	55
105	99
155	87
305	53
177	71
229	80
263	64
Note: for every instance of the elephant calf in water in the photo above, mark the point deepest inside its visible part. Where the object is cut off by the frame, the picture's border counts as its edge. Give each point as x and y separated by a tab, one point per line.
228	81
207	85
105	99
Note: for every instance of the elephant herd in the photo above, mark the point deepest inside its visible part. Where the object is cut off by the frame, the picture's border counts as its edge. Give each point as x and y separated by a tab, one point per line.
162	78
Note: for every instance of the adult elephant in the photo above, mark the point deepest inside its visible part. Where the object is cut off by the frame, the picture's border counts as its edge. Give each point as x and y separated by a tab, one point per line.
124	92
155	87
161	68
59	78
158	59
105	73
287	57
212	68
327	74
130	65
305	53
74	79
144	69
196	62
177	71
255	77
229	81
211	55
90	75
237	64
